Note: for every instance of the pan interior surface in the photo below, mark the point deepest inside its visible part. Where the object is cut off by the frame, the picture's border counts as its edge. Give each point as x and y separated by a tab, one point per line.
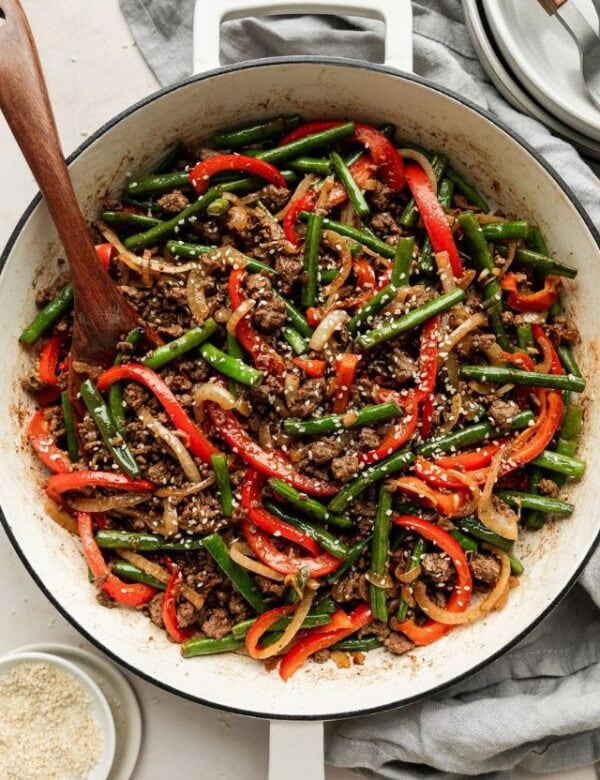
504	171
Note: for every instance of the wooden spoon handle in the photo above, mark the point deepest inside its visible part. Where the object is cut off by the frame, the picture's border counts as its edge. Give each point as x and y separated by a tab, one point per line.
551	6
26	106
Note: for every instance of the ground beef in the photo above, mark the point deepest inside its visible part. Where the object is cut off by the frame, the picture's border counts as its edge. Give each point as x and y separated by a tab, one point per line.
309	396
217	624
502	413
238	607
274	197
548	487
350	587
381	197
269	314
321	656
289	268
259	287
135	395
32	383
398	644
402	365
436	568
385	225
155	610
377	628
47	294
186	614
563	329
503	509
210	229
270	587
324	450
369	438
484	568
173	201
202	513
345	467
477	343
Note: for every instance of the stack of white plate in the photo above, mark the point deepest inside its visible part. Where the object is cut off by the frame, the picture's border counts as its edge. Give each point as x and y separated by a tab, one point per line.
534	63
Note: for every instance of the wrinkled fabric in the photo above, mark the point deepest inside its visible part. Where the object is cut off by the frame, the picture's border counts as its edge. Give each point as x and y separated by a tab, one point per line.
538	707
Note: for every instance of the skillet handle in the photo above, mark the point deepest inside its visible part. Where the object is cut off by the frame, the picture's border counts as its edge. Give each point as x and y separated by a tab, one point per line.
208	16
296	750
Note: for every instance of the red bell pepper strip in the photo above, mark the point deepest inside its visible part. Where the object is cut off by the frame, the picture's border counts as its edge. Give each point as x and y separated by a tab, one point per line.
384	154
468	461
426	417
428	359
365	274
305	203
436	475
319	640
550	354
271	464
257	514
289	562
135	372
105	253
366	281
262	624
540	434
130	594
535	301
312	367
48	365
433	216
44	445
361	170
308	128
447	504
201	173
345	375
79	480
169	609
47	396
264	357
461	595
402	430
519	359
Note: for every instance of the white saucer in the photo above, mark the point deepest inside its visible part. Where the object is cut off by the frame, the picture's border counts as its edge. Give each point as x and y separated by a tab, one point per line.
509	87
545	59
119	694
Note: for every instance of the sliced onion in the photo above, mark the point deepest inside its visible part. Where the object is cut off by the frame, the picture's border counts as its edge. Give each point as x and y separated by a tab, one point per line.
225	255
409	576
379	580
467	278
170	524
340	245
245	306
475	612
238	552
210	391
264	436
455	410
290	632
347	214
291	387
136	263
341	659
303	187
452	369
189	490
171	441
489	219
447	279
324	331
196	297
485	510
512	251
237	218
61	518
457	335
323	199
412	154
276	227
160	574
471	484
106	503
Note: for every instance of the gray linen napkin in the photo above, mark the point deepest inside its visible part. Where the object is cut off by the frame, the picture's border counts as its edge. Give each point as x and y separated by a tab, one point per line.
538	707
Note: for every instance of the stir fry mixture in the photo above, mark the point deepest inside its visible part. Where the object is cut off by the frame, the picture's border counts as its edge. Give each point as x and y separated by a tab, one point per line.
353	390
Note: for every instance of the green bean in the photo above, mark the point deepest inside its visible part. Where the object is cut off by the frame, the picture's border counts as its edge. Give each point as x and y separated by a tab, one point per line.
543	263
472	526
471	434
175	349
328	274
388	129
234	368
176	153
567	358
379	553
160	182
145	205
218	207
308	505
307	144
415	560
219	465
403	255
410	215
563	464
535	240
49	315
319	615
535	519
468	544
320	165
296	341
505	231
353	555
130	219
115	392
67	411
360	236
130	572
378	471
240	579
317	426
532	501
358	645
566	447
491	286
105	424
392	328
355	194
321	536
503	374
311	259
572	421
426	264
516	566
143	542
192	251
295	316
254	134
525	336
467	189
201	646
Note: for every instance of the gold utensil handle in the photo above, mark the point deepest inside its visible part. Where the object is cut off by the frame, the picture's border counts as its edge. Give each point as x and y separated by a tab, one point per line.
551	6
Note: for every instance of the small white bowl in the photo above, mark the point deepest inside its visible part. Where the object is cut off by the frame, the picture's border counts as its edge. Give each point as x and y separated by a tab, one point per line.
100	708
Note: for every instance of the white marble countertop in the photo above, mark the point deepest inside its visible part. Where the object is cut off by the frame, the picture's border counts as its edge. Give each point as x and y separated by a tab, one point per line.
93	71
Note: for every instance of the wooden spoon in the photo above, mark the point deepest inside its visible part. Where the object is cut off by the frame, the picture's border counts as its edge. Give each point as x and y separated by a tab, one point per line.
102	315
